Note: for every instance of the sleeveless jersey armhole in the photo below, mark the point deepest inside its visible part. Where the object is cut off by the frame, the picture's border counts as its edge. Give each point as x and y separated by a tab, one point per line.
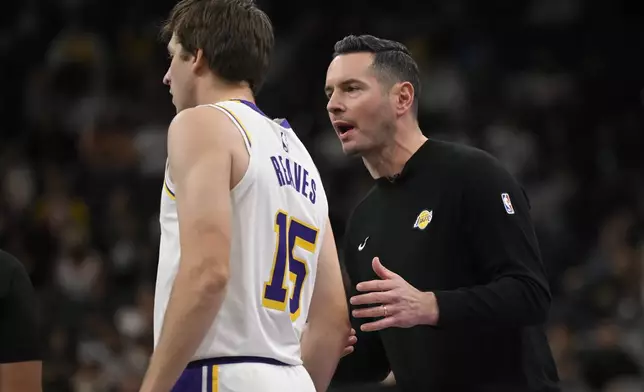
240	127
248	176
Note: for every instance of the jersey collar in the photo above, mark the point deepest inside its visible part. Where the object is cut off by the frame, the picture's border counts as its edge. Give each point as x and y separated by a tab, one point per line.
414	164
281	122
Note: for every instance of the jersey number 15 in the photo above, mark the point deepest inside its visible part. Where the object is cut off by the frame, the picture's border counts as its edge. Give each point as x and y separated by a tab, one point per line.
290	233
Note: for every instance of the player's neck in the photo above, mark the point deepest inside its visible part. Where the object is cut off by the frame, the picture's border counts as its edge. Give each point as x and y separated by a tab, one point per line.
218	92
390	160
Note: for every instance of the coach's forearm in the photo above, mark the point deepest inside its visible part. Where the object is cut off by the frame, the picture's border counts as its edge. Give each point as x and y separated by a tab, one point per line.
322	347
194	303
507	302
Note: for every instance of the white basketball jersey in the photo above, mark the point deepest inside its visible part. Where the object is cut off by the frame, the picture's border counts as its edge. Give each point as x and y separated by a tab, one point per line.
279	212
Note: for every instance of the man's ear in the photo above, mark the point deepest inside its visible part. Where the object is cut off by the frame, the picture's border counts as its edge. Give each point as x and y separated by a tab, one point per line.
199	62
404	95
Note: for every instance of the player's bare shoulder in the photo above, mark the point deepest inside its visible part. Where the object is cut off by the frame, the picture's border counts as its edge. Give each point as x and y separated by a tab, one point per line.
200	127
202	131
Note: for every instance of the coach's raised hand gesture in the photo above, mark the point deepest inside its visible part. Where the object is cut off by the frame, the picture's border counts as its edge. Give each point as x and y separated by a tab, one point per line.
398	303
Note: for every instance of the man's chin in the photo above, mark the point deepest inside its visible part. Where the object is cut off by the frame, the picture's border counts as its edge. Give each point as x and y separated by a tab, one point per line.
351	151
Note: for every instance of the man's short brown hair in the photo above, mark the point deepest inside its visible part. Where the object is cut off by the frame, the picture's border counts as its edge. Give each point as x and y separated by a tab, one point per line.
235	36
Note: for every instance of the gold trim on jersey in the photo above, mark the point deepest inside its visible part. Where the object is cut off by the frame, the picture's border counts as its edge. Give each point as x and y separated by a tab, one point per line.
168	191
237	122
215	378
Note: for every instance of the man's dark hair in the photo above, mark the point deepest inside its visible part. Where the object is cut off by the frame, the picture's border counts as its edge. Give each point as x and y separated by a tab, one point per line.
392	60
235	36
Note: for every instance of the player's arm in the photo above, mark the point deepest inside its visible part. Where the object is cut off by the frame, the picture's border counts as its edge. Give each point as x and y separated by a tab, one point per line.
20	355
199	141
328	322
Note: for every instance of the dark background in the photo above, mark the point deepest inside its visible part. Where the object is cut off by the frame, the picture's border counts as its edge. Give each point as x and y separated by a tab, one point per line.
553	88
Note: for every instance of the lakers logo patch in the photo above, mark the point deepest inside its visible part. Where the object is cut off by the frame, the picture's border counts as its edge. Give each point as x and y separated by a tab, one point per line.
423	219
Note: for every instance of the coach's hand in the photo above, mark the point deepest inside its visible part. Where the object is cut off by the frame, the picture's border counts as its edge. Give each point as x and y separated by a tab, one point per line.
396	301
350	343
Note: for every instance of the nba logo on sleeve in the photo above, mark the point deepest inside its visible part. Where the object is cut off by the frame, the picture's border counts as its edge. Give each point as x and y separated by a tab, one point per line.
284	142
507	203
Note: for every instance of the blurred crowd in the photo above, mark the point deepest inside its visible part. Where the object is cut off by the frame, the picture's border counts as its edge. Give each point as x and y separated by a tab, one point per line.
550	87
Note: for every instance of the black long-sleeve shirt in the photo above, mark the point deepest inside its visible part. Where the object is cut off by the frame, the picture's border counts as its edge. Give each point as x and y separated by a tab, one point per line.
19	329
455	223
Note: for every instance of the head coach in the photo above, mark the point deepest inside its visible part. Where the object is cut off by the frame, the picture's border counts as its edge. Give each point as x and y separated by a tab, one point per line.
449	291
20	356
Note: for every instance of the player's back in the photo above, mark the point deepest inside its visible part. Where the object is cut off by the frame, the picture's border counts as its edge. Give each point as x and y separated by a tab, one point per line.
279	212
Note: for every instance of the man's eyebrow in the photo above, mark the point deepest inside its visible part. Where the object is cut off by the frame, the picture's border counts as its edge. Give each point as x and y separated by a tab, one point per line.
345	82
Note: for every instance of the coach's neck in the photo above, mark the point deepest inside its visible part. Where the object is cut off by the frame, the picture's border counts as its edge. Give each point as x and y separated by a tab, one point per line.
389	160
216	90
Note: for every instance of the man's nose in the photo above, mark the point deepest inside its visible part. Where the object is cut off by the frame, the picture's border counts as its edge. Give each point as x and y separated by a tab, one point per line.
334	106
166	78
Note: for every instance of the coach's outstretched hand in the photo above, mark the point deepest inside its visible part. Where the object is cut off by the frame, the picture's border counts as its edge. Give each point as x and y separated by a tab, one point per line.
350	343
397	302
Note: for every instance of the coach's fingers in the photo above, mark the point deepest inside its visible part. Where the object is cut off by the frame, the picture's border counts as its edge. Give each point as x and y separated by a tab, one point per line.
374	311
351	341
376	297
376	285
378	325
381	270
347	350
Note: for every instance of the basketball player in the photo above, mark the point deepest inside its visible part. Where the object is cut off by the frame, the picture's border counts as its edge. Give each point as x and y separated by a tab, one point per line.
247	255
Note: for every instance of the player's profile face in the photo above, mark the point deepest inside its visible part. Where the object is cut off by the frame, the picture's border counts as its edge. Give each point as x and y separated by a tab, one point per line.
179	75
358	107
